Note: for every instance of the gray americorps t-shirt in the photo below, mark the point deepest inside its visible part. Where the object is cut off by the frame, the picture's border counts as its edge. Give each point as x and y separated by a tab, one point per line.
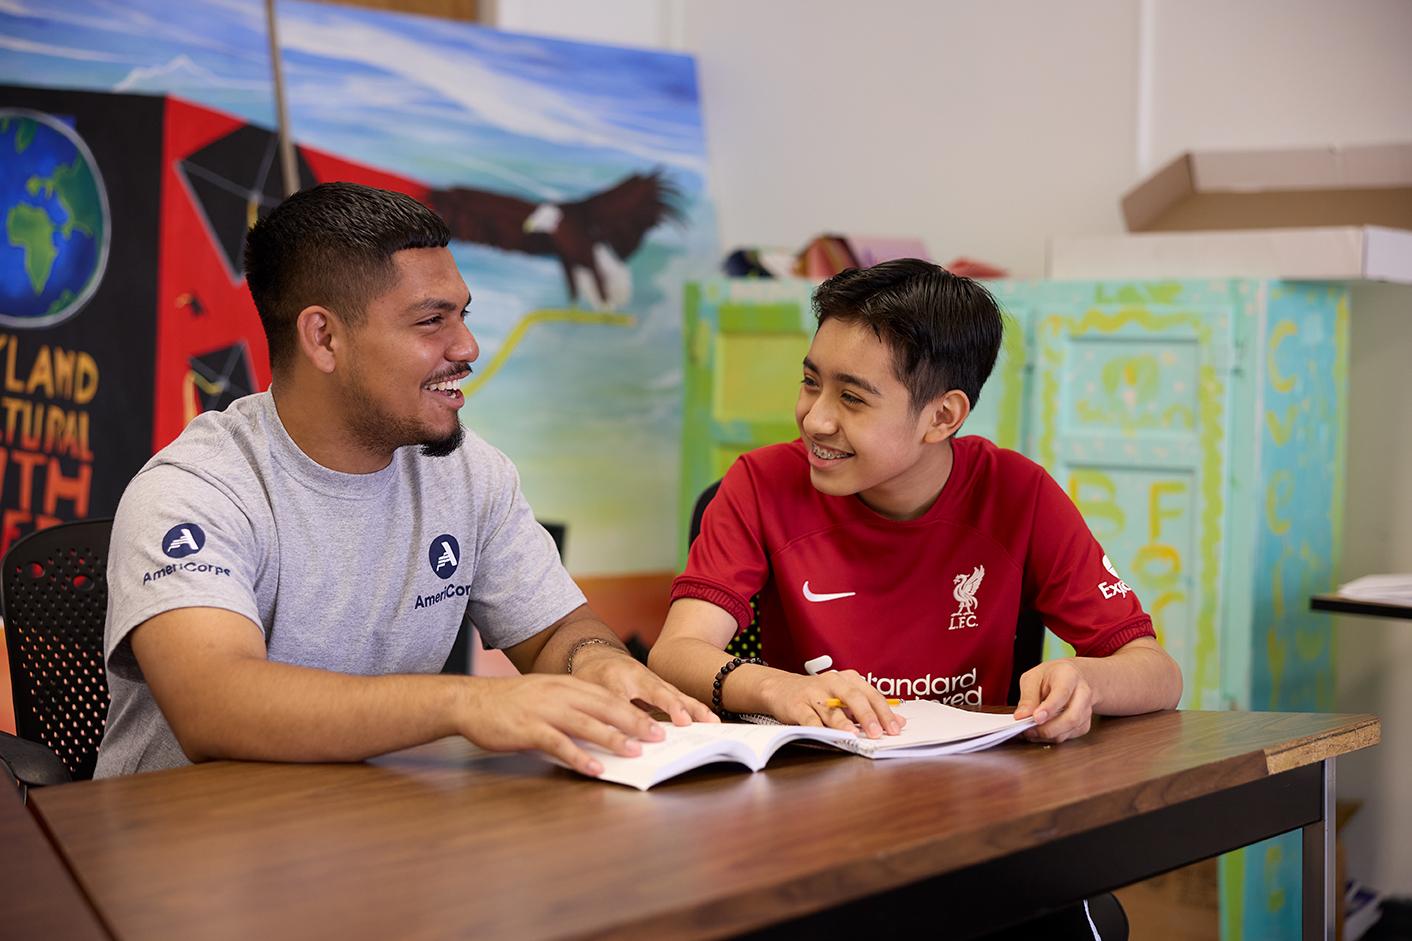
355	573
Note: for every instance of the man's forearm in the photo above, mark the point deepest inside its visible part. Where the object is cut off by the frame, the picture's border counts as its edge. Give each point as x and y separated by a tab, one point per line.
262	710
570	634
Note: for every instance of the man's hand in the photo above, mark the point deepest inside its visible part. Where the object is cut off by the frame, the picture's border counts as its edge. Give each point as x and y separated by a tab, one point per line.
617	671
1059	697
547	712
803	700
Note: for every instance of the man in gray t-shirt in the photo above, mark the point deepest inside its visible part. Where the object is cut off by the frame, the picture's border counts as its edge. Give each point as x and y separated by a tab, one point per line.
287	576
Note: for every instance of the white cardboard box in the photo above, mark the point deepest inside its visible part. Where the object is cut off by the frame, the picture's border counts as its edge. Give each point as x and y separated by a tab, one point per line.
1347	253
1317	213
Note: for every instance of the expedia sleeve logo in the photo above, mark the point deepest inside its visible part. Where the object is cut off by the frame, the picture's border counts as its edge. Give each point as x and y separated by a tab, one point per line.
182	540
444	555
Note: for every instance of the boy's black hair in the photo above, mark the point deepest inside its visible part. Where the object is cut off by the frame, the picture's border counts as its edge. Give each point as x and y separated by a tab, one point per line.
330	245
944	330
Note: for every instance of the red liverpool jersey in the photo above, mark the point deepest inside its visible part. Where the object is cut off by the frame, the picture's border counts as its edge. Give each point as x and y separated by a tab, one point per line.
922	608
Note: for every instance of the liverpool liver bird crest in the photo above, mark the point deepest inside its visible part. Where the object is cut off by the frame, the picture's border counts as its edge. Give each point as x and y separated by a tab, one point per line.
965	590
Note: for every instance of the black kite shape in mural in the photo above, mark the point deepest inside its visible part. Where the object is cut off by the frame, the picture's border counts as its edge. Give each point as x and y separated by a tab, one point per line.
221	376
235	180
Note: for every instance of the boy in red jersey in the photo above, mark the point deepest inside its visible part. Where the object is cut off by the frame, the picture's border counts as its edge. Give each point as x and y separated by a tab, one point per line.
881	544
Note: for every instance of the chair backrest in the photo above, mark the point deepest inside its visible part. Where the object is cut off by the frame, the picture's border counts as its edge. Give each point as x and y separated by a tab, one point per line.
54	595
1029	628
461	660
746	643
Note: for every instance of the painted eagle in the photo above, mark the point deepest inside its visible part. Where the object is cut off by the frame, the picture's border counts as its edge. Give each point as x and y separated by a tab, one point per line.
592	238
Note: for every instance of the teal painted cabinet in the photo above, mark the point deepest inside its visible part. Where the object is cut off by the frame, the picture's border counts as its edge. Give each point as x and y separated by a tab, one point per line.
1197	425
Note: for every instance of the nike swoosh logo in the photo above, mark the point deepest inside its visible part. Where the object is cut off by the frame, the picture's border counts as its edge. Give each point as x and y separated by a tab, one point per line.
834	596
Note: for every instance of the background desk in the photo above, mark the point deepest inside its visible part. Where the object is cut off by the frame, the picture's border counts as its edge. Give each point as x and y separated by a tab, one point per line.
446	840
1374	609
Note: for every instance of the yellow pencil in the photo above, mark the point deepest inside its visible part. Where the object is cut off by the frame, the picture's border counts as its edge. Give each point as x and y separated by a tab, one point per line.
838	703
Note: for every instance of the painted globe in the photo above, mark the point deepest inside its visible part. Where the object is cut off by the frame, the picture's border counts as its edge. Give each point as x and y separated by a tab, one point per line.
55	213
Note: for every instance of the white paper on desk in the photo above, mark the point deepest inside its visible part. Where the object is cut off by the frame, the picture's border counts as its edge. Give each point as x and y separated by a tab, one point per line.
934	729
1394	588
931	730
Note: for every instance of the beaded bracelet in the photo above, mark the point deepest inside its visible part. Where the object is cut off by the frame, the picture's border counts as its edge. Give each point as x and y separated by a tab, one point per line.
721	675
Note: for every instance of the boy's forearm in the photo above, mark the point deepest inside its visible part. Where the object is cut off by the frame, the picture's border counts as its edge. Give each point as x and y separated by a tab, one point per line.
1133	680
691	665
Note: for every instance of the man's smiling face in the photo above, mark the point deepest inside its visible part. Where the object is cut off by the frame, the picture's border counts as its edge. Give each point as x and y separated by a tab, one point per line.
406	359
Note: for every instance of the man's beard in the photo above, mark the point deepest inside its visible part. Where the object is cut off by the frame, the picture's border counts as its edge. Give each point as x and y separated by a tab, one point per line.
447	446
381	431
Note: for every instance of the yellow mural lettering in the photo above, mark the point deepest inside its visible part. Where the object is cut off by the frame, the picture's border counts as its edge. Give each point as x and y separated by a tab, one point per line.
54	373
46	453
12	382
1279	491
1131	379
65	367
1155	511
1096	496
1278	334
1277	586
41	374
85	380
1280	430
1178	416
1157	292
1274	889
37	426
1158	565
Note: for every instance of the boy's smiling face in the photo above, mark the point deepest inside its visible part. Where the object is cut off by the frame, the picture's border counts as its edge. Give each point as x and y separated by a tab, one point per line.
859	427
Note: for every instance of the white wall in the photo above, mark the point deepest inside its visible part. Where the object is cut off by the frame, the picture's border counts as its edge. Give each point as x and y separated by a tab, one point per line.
986	127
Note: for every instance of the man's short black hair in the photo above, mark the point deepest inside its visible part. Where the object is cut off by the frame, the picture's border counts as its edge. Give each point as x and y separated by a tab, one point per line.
330	245
943	330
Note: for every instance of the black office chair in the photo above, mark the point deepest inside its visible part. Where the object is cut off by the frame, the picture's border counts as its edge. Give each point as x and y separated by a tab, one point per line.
54	597
1029	629
461	660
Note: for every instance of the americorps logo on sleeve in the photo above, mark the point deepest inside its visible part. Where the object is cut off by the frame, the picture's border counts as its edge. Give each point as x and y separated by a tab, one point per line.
444	555
182	540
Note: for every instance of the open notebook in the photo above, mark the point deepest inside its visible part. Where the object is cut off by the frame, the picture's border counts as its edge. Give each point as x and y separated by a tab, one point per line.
931	729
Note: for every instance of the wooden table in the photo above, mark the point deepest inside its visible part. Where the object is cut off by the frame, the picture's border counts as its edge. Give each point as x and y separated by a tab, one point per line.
444	840
38	896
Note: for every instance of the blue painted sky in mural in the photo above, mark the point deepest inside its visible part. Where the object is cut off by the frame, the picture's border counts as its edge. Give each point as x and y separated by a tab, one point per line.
572	114
214	52
590	413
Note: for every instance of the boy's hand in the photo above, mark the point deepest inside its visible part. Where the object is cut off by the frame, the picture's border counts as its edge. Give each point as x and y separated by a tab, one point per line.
802	700
619	673
1060	699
